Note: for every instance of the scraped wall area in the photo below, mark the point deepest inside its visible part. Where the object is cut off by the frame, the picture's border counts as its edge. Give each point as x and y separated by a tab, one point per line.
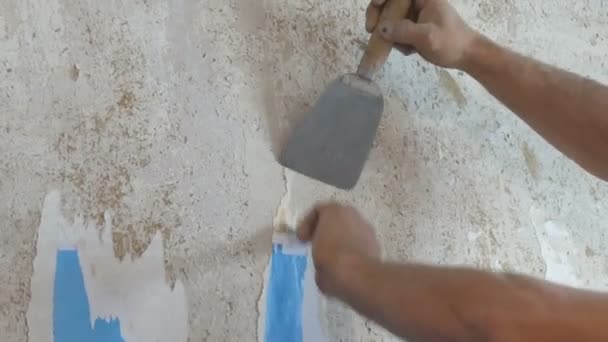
156	123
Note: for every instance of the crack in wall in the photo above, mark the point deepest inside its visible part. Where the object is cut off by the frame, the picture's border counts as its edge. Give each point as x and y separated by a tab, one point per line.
261	305
536	220
284	221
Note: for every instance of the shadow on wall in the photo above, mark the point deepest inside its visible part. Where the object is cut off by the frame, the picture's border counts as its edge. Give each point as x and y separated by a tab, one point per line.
223	279
226	254
304	50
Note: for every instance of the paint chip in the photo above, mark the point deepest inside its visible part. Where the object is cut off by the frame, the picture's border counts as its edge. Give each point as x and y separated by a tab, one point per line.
590	253
74	73
451	86
531	160
127	100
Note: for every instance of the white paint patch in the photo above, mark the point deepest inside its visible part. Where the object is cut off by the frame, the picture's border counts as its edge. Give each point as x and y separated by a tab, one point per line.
134	291
291	244
312	328
311	308
557	248
497	265
473	236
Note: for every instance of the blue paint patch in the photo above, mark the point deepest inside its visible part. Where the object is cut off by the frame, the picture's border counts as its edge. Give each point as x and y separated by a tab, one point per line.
284	297
71	313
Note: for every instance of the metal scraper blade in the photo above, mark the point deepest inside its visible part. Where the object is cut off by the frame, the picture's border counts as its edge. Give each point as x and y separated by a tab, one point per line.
335	138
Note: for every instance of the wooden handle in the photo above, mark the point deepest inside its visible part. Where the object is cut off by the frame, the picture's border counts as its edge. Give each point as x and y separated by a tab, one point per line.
378	48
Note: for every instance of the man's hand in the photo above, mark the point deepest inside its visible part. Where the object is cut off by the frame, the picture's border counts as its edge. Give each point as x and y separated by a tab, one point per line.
434	30
337	232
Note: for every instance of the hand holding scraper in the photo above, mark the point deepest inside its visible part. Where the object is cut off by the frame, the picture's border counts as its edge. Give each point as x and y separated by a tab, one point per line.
335	138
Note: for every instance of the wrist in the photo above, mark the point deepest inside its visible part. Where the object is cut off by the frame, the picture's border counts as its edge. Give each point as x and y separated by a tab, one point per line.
350	269
473	52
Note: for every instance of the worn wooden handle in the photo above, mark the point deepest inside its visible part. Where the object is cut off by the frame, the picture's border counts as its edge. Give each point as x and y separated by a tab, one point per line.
378	48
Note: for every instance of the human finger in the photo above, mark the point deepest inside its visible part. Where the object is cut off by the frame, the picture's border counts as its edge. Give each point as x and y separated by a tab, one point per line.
405	32
372	15
306	228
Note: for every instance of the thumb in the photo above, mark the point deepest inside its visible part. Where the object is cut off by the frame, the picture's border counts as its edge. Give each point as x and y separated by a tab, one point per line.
405	32
306	228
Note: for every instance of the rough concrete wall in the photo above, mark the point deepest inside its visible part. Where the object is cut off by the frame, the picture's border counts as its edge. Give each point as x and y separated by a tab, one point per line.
167	114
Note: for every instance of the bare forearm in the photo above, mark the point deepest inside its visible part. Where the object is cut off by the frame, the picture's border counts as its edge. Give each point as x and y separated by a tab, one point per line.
569	111
424	303
404	299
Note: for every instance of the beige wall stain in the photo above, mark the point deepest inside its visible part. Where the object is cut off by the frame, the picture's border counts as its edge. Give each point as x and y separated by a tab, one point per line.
448	83
101	153
532	162
104	150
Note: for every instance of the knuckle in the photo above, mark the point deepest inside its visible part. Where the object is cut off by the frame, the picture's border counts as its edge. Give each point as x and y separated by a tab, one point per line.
433	40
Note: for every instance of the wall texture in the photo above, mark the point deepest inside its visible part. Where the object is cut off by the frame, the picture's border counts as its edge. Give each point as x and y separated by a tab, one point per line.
168	114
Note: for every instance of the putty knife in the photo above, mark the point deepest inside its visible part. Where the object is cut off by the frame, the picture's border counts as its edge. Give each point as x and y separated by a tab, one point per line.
334	140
